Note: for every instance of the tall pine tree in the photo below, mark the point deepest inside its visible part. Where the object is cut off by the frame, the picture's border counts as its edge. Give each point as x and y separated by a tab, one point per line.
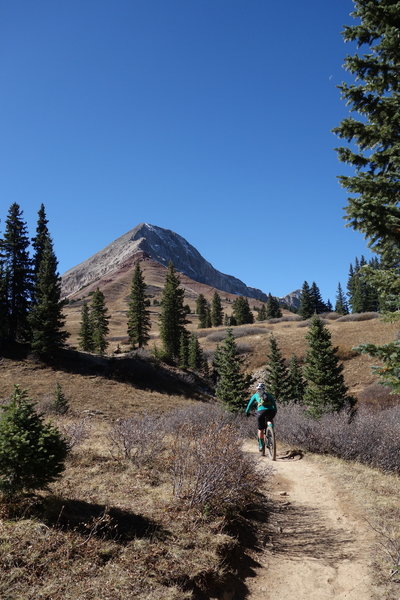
18	266
172	316
99	318
325	388
306	308
317	302
273	310
138	314
46	317
372	130
216	311
341	302
202	310
39	243
85	335
296	383
276	373
232	383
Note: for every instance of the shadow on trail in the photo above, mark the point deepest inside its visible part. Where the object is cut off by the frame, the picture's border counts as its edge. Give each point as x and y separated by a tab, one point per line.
303	534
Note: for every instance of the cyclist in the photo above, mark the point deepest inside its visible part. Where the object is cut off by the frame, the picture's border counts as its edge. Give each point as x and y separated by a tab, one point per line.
266	411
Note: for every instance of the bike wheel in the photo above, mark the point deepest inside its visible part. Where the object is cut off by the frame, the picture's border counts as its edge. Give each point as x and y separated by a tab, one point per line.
270	442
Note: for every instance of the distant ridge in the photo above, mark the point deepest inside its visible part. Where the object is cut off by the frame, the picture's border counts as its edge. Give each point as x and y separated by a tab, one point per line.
162	246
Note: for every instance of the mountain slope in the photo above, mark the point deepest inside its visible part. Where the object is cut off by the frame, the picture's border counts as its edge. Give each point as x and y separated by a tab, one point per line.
162	246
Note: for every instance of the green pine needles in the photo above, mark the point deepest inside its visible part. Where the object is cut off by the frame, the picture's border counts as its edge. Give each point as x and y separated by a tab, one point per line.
325	388
232	384
138	314
372	136
276	373
172	317
32	452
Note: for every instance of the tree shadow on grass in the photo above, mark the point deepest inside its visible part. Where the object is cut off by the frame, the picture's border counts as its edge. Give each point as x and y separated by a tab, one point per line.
241	559
98	520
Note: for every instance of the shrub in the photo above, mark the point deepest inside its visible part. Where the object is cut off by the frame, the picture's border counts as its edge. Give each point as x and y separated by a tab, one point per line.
330	316
32	453
209	470
371	438
365	316
284	318
243	348
75	433
135	438
378	395
345	353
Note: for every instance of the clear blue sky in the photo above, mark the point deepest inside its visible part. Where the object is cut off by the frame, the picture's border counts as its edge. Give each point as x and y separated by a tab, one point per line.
212	118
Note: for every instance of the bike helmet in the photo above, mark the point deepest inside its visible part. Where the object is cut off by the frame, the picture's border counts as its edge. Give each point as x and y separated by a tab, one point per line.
260	386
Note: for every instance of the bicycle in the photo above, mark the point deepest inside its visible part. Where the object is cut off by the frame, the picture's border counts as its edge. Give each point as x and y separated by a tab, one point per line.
269	441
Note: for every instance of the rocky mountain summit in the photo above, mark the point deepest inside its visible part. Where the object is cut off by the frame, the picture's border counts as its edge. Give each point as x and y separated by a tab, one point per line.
162	246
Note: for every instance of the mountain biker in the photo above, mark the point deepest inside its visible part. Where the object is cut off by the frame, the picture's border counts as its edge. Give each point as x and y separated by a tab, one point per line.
266	411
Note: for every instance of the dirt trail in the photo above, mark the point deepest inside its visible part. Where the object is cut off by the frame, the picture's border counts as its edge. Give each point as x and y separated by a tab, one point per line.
318	549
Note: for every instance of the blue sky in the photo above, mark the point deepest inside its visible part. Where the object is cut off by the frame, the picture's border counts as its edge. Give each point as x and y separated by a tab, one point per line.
212	118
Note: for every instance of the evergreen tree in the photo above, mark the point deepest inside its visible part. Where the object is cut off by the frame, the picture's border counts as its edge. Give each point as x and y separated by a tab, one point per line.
350	285
373	207
85	332
329	306
373	138
208	316
138	314
216	310
99	319
262	313
306	308
202	311
46	318
325	388
341	302
4	309
232	384
39	243
184	350
273	310
32	453
296	382
60	403
241	311
319	305
18	266
363	294
172	317
195	355
276	373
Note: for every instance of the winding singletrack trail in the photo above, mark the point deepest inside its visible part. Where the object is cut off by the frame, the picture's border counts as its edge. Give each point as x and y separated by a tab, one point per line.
318	548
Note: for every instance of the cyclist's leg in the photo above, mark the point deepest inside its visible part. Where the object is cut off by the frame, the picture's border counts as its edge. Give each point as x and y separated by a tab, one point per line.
262	423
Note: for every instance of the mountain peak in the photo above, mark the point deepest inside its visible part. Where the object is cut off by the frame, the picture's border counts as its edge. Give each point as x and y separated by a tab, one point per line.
162	246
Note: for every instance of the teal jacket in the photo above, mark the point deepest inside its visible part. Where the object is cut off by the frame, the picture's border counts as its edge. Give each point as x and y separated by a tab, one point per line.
267	401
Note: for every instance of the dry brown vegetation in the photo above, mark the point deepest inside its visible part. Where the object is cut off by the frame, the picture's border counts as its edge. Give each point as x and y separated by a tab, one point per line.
376	494
140	524
137	522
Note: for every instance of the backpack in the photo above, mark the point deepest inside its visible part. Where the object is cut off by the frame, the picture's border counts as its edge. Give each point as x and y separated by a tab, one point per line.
265	400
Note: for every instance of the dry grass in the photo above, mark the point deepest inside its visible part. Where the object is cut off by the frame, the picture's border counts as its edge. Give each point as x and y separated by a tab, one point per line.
112	528
347	332
377	496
